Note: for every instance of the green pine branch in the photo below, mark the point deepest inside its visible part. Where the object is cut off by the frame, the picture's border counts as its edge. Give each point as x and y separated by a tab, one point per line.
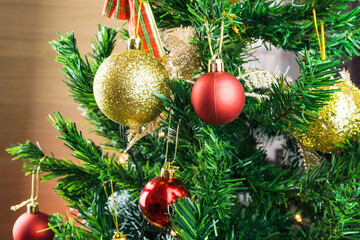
80	75
277	23
258	223
190	222
103	45
287	107
77	180
217	162
65	228
329	195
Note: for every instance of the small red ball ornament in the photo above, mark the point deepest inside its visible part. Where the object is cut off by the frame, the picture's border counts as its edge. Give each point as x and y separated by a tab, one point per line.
217	97
158	194
28	225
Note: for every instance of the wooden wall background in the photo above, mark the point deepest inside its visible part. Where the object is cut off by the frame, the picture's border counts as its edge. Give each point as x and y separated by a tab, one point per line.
31	87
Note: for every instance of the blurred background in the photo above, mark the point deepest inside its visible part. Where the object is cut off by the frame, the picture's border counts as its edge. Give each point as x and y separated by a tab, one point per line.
31	88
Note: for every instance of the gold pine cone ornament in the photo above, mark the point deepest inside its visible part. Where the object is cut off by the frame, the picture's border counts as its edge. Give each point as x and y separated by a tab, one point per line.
124	85
183	58
338	121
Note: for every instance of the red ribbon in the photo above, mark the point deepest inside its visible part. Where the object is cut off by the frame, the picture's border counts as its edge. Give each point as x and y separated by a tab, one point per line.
128	10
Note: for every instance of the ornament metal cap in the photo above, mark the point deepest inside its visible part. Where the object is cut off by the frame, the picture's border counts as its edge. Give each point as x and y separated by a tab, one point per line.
216	65
168	170
119	236
135	43
32	207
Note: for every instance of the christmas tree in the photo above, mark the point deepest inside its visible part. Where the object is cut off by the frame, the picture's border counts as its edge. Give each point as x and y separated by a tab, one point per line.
183	157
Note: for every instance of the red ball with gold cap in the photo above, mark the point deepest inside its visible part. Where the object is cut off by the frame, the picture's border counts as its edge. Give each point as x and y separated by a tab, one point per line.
217	97
159	193
31	225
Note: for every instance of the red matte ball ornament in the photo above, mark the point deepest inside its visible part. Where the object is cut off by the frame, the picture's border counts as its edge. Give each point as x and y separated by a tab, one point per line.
217	97
158	194
28	225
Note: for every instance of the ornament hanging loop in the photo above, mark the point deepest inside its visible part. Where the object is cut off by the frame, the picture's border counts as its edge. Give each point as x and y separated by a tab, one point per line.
176	141
119	236
168	139
322	39
32	206
169	170
215	64
113	213
135	43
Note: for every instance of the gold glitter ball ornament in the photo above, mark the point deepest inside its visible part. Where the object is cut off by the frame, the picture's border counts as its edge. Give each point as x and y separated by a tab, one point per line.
337	121
124	86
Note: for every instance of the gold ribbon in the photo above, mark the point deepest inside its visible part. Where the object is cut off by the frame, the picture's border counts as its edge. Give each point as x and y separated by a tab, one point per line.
168	139
32	198
169	170
221	36
117	234
322	41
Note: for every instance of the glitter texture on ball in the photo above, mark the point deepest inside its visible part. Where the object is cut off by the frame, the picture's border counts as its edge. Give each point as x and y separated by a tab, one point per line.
124	85
338	121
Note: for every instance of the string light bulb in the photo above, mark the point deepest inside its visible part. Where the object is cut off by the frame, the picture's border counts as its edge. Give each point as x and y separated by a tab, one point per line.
173	233
161	134
298	218
123	158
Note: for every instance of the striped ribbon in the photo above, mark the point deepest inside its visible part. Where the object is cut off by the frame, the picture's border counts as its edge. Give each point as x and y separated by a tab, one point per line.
148	32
